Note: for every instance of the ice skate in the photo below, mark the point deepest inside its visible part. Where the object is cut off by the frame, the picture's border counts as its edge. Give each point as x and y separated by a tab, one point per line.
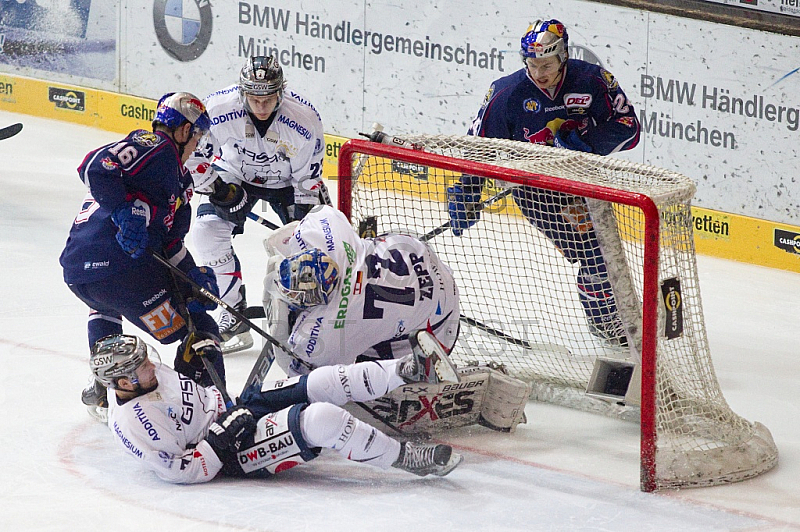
612	332
96	401
427	459
428	362
235	334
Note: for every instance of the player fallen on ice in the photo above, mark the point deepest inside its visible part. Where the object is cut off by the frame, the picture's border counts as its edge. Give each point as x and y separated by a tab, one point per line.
335	298
266	143
568	103
183	432
139	199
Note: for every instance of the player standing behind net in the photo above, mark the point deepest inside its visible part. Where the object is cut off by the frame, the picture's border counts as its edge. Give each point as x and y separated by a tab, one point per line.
570	104
183	432
266	143
138	198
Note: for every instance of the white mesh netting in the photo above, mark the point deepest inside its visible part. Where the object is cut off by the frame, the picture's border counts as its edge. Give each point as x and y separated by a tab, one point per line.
519	302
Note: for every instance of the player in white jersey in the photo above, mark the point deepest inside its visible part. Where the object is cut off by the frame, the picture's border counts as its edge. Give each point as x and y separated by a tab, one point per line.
266	142
183	432
375	292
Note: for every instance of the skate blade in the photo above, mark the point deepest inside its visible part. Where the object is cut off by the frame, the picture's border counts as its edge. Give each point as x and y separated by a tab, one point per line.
99	413
444	368
240	342
455	459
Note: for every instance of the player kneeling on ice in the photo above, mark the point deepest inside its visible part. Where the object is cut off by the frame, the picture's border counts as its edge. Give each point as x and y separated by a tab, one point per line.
335	298
184	433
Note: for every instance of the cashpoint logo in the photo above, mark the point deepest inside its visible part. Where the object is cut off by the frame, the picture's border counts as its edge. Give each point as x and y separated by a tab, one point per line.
787	241
183	28
67	99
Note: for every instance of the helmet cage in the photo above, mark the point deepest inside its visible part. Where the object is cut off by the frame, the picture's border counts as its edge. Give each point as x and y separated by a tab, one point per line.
307	279
261	76
119	355
545	38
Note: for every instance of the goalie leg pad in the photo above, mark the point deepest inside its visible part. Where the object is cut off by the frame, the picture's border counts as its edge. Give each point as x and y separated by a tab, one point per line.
504	405
497	403
278	444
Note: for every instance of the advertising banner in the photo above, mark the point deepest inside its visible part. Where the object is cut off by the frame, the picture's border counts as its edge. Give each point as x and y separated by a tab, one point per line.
76	38
718	103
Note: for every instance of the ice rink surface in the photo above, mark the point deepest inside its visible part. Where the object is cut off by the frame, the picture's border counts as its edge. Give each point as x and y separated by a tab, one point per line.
563	470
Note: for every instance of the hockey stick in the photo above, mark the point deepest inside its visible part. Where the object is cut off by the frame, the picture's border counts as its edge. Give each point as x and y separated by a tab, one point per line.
266	223
471	210
208	295
184	311
10	131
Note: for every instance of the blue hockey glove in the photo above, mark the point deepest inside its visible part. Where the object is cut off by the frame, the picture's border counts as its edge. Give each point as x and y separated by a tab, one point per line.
205	277
463	208
131	218
571	140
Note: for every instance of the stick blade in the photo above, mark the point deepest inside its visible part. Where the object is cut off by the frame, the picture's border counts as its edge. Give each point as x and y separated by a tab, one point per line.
10	131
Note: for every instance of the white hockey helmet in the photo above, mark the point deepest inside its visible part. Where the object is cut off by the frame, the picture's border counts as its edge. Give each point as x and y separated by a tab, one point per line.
545	38
119	355
307	279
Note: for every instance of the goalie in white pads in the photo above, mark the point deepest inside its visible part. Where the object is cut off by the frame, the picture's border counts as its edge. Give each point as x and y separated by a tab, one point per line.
335	298
183	432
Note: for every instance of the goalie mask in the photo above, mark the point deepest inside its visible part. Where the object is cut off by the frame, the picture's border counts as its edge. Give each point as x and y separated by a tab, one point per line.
119	355
545	38
307	279
261	76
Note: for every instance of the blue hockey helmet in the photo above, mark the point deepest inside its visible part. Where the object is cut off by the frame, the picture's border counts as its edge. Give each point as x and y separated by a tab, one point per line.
307	279
545	38
176	108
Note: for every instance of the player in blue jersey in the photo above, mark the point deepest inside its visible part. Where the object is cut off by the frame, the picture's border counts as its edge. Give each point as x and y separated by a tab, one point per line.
568	103
138	199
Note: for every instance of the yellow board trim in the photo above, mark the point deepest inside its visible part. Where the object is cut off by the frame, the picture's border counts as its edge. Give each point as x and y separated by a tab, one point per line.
719	234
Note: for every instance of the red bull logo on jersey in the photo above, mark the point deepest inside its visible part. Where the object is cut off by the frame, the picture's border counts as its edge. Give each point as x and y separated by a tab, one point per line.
543	136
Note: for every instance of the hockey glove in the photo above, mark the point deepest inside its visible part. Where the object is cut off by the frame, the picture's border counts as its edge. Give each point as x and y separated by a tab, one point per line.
230	202
231	429
187	359
131	219
203	276
298	211
463	208
571	140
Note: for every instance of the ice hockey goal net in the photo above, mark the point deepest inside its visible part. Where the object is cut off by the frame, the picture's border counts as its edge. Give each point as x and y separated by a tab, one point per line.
520	307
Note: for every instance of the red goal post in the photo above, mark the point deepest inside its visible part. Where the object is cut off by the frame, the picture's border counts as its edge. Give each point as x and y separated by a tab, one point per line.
682	427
